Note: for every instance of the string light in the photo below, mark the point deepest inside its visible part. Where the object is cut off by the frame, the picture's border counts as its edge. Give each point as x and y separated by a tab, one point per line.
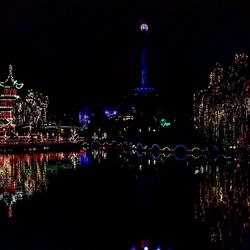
221	110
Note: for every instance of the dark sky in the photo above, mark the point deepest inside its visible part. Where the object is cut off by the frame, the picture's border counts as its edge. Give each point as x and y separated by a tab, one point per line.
78	51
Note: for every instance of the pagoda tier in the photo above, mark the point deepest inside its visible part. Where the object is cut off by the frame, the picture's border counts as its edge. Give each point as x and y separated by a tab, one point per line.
6	102
8	97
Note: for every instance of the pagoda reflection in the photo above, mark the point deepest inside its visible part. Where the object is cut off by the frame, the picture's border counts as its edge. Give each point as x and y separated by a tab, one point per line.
21	176
25	175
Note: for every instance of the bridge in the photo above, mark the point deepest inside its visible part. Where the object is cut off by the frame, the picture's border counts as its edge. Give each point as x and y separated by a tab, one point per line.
179	151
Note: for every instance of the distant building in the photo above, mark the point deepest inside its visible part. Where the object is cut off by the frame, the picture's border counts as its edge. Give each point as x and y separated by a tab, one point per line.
134	115
145	103
221	111
9	94
144	87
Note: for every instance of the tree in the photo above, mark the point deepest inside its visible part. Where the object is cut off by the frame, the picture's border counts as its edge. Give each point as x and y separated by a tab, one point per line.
221	111
32	110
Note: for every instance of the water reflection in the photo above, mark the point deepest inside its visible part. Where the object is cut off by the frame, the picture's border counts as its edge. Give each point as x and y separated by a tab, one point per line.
153	192
20	176
24	175
221	191
223	203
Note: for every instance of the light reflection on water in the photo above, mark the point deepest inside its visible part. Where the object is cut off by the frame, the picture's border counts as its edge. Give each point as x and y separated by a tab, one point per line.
221	187
24	175
21	176
223	203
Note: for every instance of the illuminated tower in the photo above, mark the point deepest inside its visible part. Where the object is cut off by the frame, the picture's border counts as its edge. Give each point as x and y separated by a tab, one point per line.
144	87
8	99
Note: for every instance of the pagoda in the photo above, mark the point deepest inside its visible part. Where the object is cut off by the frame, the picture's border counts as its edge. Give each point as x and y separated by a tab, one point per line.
8	97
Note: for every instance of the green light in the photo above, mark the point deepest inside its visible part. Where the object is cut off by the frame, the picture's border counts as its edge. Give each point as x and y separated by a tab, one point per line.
164	123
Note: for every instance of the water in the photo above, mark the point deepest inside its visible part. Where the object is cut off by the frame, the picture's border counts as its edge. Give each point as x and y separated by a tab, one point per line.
99	200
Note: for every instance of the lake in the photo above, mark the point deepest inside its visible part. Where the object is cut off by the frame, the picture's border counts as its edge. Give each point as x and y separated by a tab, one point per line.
119	200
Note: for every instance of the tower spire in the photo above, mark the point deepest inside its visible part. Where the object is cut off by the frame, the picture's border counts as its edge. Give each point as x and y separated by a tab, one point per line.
144	84
144	57
10	70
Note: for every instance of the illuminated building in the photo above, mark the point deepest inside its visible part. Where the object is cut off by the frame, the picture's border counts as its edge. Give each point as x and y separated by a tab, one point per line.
146	104
110	113
144	87
8	99
221	111
142	109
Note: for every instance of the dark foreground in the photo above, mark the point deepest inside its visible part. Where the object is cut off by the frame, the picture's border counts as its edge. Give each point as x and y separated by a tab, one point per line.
124	200
111	205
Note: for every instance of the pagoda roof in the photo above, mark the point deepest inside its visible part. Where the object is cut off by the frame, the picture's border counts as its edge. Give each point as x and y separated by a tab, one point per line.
8	97
5	122
10	81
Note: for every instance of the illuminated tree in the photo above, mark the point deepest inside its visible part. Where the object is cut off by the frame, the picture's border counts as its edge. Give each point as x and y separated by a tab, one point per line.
32	110
221	111
73	135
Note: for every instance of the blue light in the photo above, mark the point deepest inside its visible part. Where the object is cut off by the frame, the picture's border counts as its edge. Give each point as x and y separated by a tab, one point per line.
109	112
145	248
144	90
84	159
85	117
144	67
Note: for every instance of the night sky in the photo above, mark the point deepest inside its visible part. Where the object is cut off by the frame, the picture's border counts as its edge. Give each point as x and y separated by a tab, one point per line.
79	51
